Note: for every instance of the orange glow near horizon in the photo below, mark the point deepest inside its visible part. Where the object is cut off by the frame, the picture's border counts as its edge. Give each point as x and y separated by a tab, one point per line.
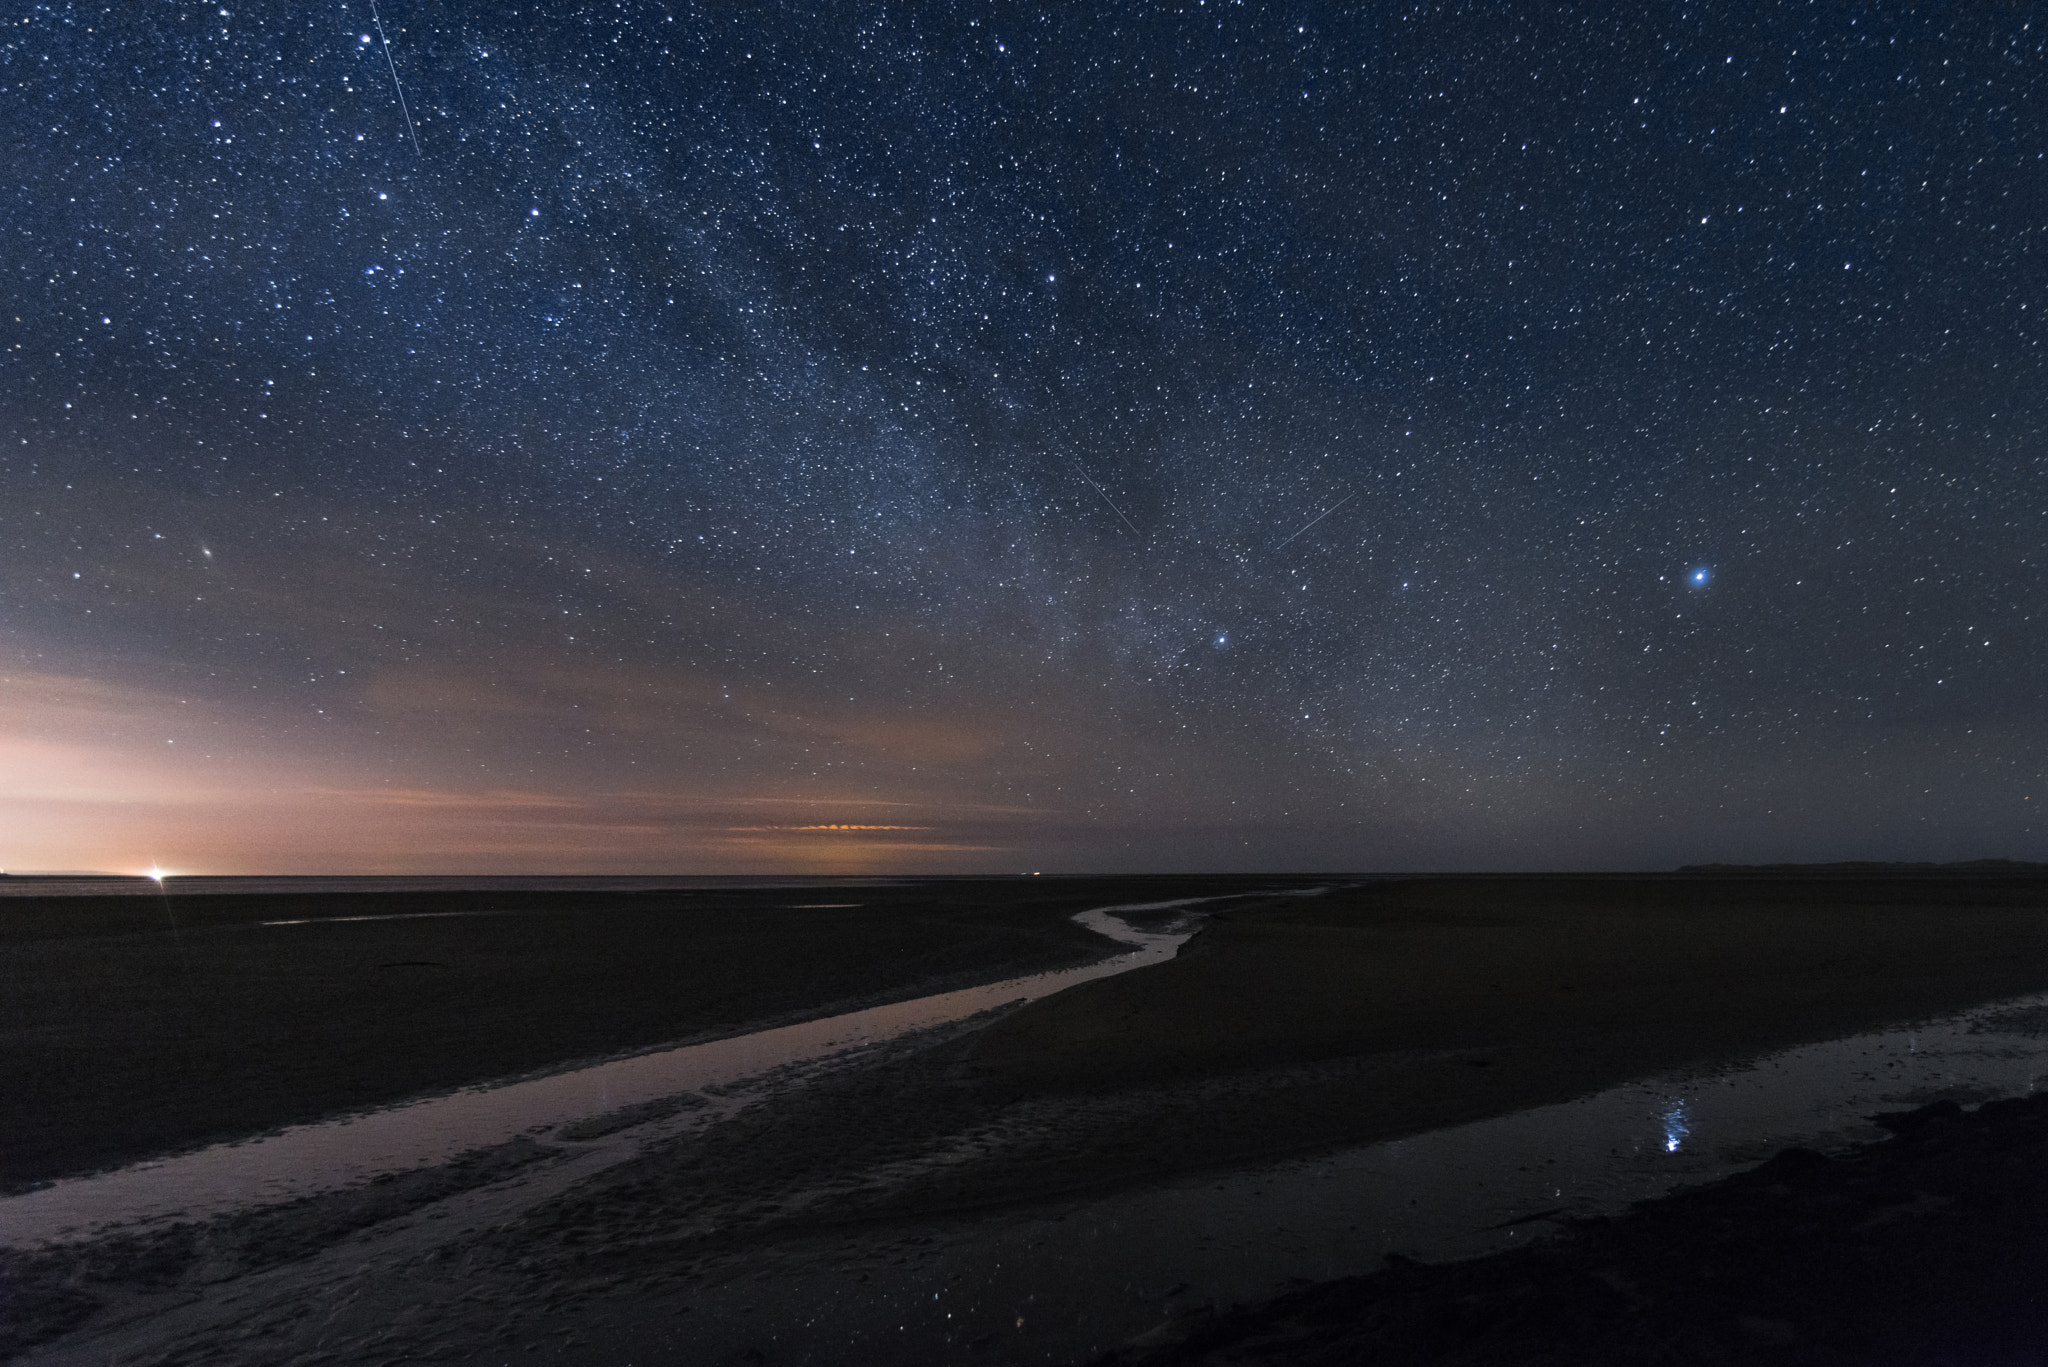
91	773
830	828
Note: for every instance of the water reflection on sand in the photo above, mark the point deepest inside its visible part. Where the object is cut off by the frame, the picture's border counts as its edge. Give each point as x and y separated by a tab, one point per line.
1060	1280
1065	1281
305	1159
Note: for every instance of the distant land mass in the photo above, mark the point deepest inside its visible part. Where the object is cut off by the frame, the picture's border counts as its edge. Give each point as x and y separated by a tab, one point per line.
1874	866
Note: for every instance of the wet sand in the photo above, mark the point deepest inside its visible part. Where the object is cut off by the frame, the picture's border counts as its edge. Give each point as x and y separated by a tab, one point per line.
1285	1028
1473	997
1926	1249
137	1025
573	1103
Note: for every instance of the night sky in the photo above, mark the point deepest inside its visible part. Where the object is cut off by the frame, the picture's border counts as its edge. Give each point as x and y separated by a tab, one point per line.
970	437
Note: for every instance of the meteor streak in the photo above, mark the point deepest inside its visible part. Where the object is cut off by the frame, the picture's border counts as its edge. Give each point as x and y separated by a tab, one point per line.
1105	498
395	85
1319	517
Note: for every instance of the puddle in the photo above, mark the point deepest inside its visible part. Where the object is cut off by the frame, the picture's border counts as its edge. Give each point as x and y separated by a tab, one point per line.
1063	1283
306	1159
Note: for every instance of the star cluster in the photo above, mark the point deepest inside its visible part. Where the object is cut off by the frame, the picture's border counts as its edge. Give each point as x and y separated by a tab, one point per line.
985	436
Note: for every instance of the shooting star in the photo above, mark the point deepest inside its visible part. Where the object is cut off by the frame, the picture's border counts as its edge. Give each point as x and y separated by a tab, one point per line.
1105	498
1318	518
395	84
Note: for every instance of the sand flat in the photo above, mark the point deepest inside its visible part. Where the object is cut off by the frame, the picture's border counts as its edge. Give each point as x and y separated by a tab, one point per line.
1286	1030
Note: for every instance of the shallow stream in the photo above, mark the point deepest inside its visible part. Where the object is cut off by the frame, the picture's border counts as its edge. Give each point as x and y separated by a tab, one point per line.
1057	1284
303	1160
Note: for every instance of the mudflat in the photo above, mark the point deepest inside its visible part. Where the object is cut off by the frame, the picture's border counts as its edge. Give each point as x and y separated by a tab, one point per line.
131	1026
1460	998
1923	1249
1287	1025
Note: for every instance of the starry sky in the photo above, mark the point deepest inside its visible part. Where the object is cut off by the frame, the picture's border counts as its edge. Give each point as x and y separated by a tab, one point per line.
981	437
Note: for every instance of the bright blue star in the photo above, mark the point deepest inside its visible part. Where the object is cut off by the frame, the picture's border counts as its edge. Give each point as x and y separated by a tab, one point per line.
1700	576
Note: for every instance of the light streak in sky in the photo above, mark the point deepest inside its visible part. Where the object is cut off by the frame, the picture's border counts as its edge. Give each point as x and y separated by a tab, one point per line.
395	85
1318	518
1105	498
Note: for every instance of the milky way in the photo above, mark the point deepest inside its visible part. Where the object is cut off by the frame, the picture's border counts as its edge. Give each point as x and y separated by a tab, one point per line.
955	437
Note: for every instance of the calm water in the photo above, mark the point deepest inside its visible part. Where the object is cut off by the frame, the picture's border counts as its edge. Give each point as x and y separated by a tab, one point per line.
1058	1284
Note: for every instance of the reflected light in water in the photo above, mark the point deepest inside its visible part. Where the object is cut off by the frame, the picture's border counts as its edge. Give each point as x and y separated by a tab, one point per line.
1676	1127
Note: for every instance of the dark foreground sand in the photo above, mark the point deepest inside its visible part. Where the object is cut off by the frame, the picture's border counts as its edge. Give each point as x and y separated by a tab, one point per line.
1287	1026
1927	1250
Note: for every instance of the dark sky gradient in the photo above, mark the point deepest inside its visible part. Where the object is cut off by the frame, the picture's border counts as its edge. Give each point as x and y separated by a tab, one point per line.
736	419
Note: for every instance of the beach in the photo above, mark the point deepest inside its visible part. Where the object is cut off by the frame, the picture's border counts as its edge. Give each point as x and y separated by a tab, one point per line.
1924	1248
161	1020
1289	1031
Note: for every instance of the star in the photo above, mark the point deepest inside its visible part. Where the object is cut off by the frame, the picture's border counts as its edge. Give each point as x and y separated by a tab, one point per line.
839	500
